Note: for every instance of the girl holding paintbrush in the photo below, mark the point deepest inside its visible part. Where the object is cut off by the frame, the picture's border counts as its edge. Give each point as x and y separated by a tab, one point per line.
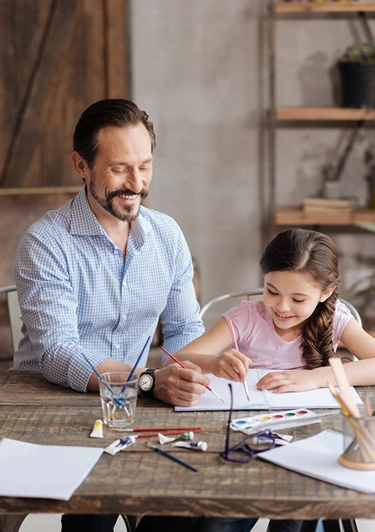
297	326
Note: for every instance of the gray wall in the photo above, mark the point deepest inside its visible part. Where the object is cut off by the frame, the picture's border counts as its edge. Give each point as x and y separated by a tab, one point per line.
199	69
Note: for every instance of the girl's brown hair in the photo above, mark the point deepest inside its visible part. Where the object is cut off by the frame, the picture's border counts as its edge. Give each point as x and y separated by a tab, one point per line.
314	254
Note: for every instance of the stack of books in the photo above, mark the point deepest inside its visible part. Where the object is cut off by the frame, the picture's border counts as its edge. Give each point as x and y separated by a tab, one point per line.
328	206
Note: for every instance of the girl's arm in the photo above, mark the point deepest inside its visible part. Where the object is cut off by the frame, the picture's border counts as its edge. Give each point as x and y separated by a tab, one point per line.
206	352
360	372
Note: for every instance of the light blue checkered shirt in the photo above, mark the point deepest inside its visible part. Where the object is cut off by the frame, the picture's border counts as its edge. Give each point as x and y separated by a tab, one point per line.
78	295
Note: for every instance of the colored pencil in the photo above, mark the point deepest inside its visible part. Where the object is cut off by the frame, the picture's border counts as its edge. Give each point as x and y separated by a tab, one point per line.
236	348
165	429
168	433
183	366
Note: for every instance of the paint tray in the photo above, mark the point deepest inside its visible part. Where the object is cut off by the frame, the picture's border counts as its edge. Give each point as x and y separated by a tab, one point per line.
280	420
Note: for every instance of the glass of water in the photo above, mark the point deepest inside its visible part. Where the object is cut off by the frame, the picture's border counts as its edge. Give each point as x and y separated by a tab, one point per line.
118	396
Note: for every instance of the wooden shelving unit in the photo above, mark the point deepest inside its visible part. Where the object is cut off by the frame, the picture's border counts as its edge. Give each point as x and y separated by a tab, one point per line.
324	113
329	7
295	215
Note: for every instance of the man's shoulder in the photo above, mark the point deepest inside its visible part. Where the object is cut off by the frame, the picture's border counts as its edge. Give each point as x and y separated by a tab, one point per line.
159	220
51	220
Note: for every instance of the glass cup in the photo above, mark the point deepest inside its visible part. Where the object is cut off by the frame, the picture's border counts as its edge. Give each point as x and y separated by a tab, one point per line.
118	397
359	442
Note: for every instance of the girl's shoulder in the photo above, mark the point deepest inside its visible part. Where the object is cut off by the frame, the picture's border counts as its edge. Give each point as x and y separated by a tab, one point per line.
341	318
246	310
341	310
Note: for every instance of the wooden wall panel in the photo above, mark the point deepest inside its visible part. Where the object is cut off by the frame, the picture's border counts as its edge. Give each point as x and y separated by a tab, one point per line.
57	57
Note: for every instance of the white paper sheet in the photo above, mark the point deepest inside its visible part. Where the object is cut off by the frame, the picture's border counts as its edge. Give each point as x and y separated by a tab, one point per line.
262	400
317	457
47	471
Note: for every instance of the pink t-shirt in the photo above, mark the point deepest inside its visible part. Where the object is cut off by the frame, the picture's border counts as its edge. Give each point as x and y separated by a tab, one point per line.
257	338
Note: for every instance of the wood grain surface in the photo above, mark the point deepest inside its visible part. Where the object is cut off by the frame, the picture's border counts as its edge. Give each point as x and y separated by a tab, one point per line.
140	480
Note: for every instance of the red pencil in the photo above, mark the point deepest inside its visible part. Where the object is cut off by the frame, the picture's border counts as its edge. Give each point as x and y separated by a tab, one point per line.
182	366
168	433
165	429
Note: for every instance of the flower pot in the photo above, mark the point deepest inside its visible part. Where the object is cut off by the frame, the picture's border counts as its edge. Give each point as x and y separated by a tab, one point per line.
332	189
357	84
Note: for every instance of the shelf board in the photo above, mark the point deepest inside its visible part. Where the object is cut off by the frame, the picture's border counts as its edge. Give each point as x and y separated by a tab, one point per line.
296	216
40	190
323	113
329	7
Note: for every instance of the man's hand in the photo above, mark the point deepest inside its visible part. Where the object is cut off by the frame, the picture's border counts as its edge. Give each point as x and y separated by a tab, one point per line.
178	386
289	381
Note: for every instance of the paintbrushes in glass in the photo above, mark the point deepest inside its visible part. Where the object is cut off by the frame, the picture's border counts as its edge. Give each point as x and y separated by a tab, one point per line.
135	365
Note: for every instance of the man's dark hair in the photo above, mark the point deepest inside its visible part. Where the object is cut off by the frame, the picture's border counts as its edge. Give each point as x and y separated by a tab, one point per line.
109	112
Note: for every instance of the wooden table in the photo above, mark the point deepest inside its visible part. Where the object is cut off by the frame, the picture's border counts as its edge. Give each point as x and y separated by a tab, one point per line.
140	480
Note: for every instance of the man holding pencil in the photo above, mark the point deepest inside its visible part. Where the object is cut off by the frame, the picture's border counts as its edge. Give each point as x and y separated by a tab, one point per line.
94	276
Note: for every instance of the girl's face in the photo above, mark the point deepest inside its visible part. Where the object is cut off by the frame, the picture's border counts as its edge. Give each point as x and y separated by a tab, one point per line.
291	297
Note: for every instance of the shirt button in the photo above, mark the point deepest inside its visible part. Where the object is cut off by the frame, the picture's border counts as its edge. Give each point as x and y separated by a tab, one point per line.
117	346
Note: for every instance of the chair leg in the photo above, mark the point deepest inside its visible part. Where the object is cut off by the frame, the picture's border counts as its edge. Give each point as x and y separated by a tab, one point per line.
11	522
130	522
349	525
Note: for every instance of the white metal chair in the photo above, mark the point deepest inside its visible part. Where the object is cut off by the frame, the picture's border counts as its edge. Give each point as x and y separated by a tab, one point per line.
14	313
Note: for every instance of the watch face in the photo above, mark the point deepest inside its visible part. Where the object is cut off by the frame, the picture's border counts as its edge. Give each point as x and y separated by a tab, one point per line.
145	382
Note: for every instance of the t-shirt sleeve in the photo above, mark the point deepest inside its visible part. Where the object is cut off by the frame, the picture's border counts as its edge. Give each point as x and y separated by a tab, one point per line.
243	318
341	318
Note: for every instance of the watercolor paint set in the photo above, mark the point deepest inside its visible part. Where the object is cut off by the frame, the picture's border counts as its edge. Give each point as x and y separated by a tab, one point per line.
290	418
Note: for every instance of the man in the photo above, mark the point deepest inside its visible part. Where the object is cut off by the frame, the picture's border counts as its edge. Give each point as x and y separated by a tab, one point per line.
94	276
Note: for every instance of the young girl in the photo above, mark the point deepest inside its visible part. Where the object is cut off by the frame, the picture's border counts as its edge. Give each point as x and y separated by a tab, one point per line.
297	326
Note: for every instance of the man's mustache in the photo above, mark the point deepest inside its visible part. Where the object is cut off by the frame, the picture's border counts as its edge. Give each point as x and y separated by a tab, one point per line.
128	192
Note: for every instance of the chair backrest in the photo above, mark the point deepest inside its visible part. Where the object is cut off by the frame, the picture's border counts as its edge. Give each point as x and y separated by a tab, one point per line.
14	313
257	293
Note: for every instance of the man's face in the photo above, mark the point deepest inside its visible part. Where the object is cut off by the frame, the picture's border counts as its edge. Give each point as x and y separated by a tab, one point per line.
122	171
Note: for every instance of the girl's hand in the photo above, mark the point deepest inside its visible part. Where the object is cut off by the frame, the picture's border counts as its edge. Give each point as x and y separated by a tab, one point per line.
289	381
231	365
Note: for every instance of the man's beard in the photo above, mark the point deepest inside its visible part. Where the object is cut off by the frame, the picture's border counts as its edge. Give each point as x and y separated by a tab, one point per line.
107	203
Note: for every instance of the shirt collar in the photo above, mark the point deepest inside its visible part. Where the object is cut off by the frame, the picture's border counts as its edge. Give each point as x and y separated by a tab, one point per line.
84	221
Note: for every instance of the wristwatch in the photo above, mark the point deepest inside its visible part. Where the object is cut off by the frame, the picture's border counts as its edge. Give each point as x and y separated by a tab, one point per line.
147	382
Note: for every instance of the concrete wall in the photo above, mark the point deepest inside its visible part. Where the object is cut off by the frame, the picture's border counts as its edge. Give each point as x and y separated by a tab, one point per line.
199	69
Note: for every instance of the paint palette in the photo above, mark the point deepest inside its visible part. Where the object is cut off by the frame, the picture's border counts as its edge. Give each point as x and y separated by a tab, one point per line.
290	418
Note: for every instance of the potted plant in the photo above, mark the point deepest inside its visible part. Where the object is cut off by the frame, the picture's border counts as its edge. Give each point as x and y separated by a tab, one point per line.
331	184
357	74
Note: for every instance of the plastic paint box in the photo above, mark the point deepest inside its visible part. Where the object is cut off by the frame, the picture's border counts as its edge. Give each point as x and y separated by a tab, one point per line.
289	418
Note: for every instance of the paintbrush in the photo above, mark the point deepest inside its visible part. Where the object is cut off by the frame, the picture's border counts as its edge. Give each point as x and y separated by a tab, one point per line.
236	348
